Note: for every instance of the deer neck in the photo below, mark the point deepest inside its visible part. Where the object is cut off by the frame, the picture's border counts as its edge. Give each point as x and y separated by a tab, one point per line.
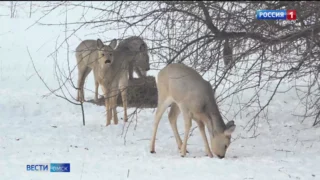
215	122
101	72
218	124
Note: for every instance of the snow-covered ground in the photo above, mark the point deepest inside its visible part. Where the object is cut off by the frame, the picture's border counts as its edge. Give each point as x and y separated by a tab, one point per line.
36	130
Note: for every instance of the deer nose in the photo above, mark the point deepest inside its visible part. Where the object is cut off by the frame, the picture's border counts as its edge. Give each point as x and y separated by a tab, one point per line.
107	61
148	68
221	157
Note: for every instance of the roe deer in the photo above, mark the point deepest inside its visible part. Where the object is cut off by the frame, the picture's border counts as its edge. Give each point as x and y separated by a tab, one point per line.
116	76
110	71
140	64
92	55
185	90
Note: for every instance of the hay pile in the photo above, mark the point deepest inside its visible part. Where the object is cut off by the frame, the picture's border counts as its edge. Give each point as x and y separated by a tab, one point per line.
142	93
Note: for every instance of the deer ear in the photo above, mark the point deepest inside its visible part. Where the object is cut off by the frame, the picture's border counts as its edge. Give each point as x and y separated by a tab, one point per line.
230	127
100	44
113	43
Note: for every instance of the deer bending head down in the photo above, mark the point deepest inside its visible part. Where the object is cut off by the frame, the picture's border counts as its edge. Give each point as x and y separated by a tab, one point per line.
187	92
140	63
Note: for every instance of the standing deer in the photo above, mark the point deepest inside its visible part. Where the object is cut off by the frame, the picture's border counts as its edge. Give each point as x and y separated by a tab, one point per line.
140	64
92	55
186	91
110	70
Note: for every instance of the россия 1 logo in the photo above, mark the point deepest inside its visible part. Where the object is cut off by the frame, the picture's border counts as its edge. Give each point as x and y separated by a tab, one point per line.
276	14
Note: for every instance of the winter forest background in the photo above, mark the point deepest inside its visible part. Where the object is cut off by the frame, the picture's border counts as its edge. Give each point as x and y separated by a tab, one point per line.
268	85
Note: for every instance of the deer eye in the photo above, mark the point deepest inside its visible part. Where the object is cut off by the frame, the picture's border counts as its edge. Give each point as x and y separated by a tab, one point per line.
110	54
102	54
225	146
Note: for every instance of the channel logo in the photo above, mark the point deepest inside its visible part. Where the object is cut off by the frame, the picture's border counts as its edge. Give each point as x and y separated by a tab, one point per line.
38	167
60	167
52	167
276	14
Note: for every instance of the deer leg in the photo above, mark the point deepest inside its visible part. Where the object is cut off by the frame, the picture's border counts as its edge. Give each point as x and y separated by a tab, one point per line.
113	104
83	78
80	85
204	137
162	105
124	103
109	115
173	116
187	127
96	91
107	104
96	83
130	70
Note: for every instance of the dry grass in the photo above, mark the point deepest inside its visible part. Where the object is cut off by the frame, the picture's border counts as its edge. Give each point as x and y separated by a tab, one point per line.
142	93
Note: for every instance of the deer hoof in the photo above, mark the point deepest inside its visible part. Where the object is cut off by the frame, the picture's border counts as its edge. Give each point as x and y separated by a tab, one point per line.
186	151
209	155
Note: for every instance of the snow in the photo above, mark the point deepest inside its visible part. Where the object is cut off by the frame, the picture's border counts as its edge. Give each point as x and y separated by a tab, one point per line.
36	129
